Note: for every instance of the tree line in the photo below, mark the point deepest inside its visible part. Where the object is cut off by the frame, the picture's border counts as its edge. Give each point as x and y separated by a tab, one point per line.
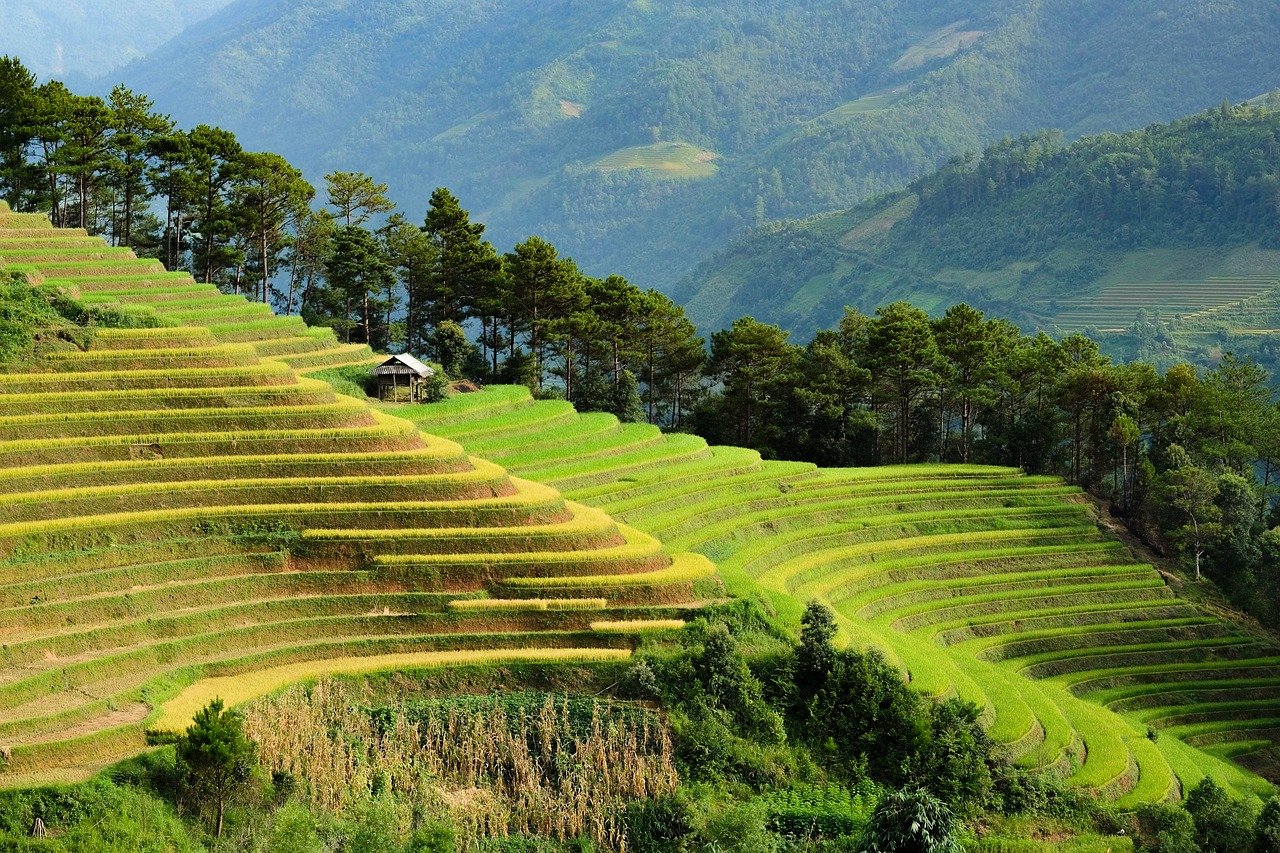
246	221
1189	458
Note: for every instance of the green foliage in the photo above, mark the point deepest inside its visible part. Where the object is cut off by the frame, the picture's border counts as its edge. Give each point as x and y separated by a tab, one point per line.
294	829
25	312
1223	825
660	824
374	828
911	821
456	355
738	828
1020	231
1266	834
436	836
816	656
1165	829
819	811
215	760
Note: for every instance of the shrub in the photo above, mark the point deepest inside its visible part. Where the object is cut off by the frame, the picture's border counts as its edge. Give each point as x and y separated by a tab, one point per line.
955	764
293	830
1266	833
1223	825
911	821
818	811
739	828
659	824
870	717
1165	829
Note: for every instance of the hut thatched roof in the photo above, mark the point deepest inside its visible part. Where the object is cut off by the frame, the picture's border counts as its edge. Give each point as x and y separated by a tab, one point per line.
402	364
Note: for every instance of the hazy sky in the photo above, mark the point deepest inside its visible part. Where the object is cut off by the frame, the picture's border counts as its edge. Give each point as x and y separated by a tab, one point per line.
80	39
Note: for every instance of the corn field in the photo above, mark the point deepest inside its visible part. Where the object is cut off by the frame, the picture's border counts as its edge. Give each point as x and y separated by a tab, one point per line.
561	767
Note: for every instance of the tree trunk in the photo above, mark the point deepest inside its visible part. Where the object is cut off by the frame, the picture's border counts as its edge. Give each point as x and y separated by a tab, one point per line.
1195	526
568	369
177	244
266	267
293	286
367	339
904	425
648	380
84	200
128	205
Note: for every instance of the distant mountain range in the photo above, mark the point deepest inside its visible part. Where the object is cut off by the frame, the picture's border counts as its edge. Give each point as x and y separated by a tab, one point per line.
641	134
1177	221
79	40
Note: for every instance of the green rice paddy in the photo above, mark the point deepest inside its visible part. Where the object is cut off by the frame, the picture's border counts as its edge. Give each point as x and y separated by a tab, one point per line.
981	582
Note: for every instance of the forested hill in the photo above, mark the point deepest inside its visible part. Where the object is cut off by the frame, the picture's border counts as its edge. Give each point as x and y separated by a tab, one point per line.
78	40
1029	229
638	134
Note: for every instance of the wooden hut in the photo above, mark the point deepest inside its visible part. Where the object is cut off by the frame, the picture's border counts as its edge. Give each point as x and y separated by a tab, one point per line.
402	378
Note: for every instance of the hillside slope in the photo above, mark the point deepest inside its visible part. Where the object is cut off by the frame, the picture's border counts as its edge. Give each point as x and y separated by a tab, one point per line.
571	119
980	581
79	40
185	514
1177	219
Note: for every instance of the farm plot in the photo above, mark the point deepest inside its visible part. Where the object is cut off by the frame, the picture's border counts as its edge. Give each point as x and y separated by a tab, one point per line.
182	515
1117	307
981	582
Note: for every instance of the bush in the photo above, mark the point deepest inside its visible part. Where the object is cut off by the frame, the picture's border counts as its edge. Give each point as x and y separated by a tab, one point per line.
1223	825
818	811
97	816
911	821
739	828
869	717
1165	829
659	824
294	829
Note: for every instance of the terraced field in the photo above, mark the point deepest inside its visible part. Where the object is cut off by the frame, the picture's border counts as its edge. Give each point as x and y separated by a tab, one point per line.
980	581
662	160
1116	308
183	513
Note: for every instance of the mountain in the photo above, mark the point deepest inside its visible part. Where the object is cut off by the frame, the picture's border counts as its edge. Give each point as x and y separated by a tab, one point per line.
638	134
80	40
1176	220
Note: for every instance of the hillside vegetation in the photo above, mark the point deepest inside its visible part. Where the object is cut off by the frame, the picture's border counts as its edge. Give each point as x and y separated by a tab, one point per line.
1174	223
810	106
83	40
187	514
981	582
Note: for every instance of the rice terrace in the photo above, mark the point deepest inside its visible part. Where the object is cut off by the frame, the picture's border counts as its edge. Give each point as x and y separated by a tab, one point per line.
266	530
639	427
140	565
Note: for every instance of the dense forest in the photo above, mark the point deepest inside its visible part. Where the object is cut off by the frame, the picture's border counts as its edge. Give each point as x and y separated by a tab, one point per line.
810	106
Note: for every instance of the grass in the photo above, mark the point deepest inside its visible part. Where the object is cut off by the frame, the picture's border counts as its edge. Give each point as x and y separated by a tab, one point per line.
684	568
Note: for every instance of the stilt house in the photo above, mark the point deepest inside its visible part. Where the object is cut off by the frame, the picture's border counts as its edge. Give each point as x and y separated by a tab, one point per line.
402	378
